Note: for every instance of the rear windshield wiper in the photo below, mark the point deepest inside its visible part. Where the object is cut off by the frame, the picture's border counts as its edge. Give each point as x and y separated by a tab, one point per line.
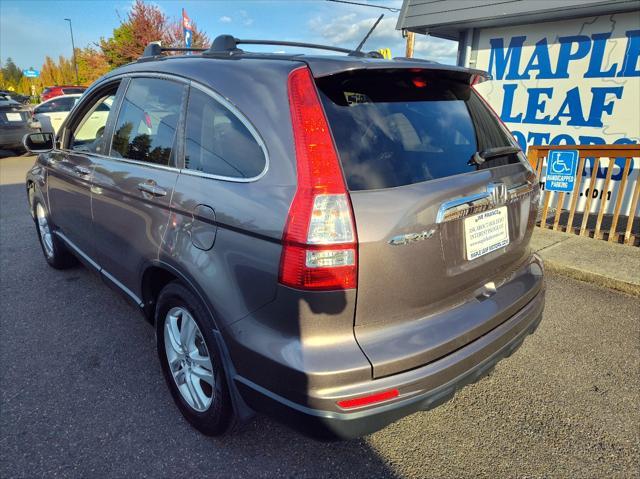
479	157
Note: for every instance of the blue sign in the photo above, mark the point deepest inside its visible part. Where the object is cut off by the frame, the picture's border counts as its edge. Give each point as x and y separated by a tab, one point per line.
31	73
561	170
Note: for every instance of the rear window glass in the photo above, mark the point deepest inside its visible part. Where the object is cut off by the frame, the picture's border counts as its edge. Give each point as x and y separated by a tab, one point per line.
395	128
217	142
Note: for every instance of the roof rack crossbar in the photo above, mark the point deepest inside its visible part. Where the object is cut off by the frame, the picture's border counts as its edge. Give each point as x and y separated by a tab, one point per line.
154	49
316	46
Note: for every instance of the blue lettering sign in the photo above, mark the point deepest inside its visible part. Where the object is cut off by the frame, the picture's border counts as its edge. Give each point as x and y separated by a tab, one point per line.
630	66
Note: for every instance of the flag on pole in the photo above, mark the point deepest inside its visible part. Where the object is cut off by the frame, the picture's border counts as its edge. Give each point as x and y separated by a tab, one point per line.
187	29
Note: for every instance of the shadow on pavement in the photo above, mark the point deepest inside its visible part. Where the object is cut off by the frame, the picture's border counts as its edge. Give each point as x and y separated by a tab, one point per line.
83	395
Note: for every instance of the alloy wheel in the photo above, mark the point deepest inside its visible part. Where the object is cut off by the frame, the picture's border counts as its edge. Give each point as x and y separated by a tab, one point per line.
44	230
189	360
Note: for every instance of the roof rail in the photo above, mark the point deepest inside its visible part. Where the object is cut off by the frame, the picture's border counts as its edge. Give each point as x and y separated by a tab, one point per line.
228	45
412	59
154	49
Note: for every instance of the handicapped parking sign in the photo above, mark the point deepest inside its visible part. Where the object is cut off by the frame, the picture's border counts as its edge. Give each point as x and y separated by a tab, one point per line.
561	170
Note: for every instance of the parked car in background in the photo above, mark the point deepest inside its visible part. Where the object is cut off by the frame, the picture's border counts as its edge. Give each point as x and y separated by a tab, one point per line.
24	99
337	241
15	122
52	113
53	91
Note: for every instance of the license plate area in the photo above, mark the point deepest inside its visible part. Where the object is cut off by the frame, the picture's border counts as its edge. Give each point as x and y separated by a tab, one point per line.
486	232
13	117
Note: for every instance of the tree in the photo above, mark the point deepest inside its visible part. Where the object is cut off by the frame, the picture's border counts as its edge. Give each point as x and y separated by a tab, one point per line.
92	64
11	74
144	24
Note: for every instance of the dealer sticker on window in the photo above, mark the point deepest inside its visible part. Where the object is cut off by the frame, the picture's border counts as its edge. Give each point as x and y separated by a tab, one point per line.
486	232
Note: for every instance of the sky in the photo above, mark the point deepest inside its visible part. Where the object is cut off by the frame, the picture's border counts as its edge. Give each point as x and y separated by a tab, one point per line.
33	29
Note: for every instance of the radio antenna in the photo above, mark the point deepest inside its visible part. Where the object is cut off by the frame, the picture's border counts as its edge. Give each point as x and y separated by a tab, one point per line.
366	37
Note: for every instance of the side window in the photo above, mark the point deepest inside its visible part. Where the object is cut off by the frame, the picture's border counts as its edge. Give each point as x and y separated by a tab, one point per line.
60	105
217	142
146	126
87	136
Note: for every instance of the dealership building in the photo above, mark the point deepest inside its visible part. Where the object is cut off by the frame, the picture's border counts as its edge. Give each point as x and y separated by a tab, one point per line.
563	71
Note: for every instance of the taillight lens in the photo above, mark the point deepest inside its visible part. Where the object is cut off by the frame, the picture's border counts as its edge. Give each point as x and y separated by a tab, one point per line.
319	242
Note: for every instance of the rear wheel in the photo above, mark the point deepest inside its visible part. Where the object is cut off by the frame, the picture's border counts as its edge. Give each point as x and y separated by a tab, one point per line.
54	250
190	360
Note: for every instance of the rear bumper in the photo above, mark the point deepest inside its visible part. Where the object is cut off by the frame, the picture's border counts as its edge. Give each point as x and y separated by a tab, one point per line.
12	137
420	389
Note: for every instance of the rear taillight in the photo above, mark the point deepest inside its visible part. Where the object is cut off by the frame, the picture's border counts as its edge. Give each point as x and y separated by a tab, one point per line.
320	248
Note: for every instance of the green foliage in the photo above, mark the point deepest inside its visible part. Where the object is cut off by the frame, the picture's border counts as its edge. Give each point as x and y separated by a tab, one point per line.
143	24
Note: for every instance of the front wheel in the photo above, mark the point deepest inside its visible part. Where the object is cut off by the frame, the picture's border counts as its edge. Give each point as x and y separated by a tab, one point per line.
191	361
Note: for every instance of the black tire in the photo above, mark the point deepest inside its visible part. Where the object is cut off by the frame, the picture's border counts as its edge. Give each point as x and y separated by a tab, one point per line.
59	257
215	420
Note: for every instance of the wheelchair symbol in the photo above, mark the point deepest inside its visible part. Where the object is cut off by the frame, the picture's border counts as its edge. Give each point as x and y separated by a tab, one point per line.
559	166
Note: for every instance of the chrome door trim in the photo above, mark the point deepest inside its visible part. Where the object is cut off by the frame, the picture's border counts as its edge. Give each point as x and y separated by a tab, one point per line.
99	268
216	96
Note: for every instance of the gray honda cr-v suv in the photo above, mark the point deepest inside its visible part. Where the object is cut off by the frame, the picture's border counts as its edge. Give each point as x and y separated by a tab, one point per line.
337	241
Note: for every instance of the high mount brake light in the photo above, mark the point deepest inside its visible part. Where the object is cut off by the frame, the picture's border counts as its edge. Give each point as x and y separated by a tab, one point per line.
319	243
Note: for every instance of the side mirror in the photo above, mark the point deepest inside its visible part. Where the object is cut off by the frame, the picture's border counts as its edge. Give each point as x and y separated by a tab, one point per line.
38	142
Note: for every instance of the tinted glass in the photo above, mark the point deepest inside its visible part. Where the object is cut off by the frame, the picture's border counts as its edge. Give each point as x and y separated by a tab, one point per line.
396	128
57	105
217	142
146	125
88	134
69	91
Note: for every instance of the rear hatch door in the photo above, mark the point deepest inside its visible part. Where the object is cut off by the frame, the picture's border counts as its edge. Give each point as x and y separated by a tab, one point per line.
439	229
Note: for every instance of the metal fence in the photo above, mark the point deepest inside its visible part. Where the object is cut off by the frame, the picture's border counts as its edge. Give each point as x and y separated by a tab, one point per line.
601	214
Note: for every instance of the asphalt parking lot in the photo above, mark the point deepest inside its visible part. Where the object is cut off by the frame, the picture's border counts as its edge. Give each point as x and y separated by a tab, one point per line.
81	392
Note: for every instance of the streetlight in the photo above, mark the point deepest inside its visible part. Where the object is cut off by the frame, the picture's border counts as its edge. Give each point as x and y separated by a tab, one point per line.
73	46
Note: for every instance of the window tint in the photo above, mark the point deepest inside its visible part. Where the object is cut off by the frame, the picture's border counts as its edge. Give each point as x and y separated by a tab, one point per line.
57	105
87	136
146	125
395	128
69	91
217	142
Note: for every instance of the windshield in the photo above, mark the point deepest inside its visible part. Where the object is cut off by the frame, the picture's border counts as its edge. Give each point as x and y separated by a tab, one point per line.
395	128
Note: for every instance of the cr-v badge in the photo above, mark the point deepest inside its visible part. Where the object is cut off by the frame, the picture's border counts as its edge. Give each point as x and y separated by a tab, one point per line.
411	237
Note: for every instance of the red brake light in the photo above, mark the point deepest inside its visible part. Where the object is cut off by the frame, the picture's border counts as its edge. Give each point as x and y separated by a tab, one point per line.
319	242
371	399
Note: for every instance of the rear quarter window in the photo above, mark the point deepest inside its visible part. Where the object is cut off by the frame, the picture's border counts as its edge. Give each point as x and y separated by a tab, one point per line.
395	128
217	142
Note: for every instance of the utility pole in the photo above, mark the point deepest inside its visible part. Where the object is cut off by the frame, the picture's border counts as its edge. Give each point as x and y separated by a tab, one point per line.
411	41
73	46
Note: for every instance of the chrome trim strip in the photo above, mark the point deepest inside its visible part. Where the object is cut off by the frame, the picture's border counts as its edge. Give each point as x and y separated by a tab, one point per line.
216	96
126	290
449	208
77	250
99	268
476	203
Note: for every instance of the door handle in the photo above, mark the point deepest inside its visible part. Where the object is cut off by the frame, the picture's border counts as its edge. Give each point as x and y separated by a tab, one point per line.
152	189
82	170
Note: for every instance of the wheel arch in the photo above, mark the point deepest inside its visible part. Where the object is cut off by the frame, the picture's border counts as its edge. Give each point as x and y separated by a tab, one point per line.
162	271
156	275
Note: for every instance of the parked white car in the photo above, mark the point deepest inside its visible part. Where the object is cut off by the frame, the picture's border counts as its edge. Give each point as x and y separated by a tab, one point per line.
51	113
